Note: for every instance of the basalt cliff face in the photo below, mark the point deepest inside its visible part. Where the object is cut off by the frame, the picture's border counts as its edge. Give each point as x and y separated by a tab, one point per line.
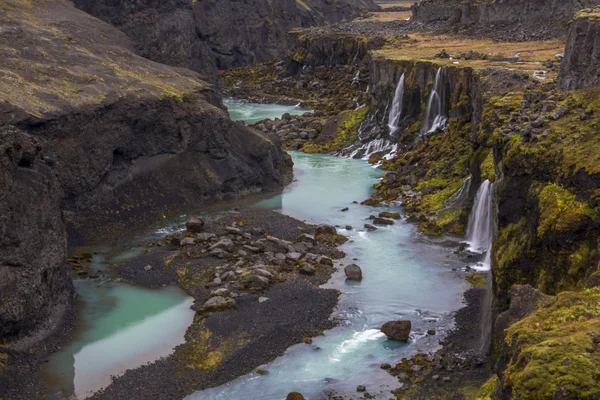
513	19
109	138
581	66
208	35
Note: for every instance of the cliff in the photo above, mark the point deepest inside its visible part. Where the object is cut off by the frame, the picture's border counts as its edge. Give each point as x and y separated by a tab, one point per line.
218	34
108	137
581	66
509	19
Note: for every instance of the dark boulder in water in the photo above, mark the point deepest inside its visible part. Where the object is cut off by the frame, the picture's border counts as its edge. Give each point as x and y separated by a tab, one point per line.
195	225
353	272
397	330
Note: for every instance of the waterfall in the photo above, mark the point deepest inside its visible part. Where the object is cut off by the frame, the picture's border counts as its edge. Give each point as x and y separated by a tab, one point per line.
356	79
434	113
480	231
374	146
396	111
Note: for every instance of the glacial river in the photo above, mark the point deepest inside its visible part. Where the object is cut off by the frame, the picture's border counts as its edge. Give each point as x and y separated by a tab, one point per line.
406	276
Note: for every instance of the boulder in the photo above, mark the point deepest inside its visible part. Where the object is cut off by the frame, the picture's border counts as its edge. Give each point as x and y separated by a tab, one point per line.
370	227
353	272
204	237
223	244
325	229
305	237
382	221
188	241
307	269
233	230
295	396
223	292
195	224
218	303
257	282
397	330
389	215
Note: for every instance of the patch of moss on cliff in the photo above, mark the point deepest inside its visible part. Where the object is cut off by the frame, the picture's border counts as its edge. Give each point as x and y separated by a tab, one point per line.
346	133
554	353
489	388
559	209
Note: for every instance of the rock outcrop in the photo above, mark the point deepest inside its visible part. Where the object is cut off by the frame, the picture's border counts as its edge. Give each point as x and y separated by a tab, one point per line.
35	284
209	34
580	68
511	19
110	138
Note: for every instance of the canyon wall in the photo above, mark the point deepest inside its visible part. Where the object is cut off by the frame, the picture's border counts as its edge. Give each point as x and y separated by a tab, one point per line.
581	66
109	138
510	19
208	35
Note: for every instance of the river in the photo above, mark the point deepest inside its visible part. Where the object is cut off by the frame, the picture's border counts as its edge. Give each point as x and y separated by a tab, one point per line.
406	276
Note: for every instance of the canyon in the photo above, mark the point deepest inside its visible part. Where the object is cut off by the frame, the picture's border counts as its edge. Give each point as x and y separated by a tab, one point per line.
482	117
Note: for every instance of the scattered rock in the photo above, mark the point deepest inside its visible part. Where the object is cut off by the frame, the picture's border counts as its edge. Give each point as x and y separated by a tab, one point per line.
389	215
262	299
218	303
559	113
305	237
205	236
307	269
223	244
295	396
353	272
361	388
348	228
223	292
233	230
257	282
195	224
345	209
324	229
188	241
397	330
382	221
147	267
370	227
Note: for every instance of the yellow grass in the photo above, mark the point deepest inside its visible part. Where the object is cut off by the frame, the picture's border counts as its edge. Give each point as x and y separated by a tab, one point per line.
388	16
424	46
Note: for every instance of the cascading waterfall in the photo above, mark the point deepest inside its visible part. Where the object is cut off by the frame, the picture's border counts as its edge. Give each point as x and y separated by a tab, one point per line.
375	146
396	111
480	231
435	117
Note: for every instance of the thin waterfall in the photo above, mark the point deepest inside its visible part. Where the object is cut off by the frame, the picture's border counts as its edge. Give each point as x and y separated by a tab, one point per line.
480	231
435	117
396	111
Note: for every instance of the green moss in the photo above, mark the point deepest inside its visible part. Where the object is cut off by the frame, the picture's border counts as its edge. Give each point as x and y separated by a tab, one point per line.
489	388
555	351
478	281
559	209
346	133
488	170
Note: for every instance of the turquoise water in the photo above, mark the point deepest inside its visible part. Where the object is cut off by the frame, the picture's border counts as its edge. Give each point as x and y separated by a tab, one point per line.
251	113
119	327
405	277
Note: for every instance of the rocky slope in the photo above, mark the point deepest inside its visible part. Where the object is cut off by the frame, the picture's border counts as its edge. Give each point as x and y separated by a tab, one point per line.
109	138
581	66
210	34
514	19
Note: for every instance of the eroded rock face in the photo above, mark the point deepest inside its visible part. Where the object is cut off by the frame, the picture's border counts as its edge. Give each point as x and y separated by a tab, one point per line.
163	31
209	34
35	285
580	68
110	138
511	19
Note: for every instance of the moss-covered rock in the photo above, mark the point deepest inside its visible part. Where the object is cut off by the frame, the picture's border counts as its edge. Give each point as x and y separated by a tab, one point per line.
554	353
